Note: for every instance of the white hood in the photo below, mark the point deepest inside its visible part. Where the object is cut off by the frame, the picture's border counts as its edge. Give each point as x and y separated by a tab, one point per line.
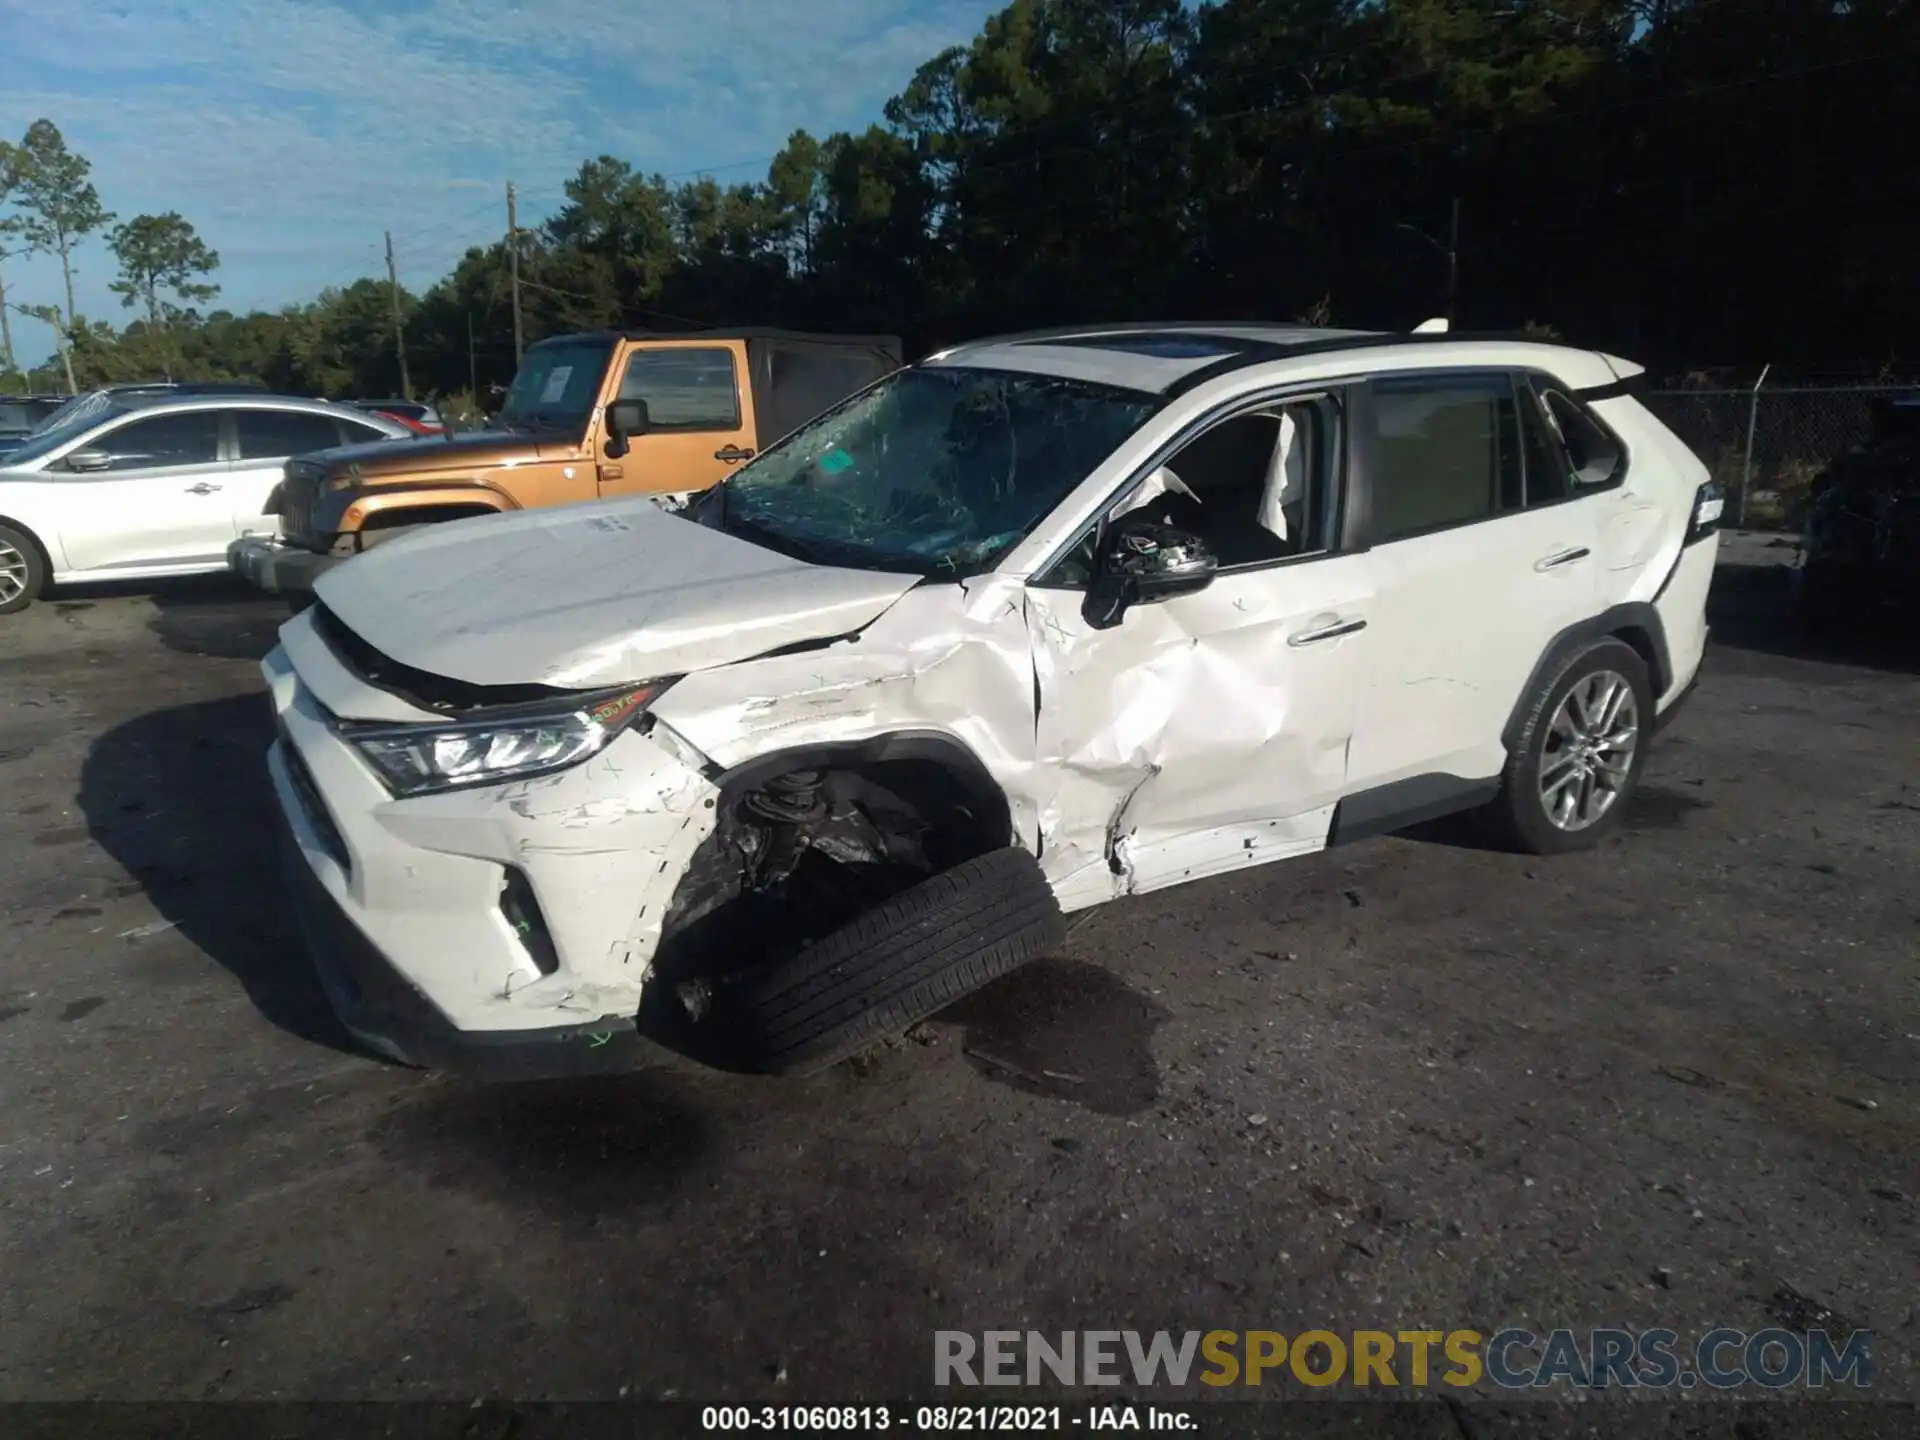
589	595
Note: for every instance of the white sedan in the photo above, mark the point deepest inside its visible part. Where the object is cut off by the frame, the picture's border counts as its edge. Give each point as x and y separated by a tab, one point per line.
149	488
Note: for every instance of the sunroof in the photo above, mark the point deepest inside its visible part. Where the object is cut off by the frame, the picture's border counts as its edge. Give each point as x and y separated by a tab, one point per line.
1160	347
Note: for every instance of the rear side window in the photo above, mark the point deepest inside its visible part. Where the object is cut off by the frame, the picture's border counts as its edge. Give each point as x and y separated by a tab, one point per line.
684	389
1445	451
352	432
1595	457
1549	474
278	434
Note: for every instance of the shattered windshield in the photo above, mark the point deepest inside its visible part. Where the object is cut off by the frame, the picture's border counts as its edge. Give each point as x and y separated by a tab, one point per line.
556	387
934	471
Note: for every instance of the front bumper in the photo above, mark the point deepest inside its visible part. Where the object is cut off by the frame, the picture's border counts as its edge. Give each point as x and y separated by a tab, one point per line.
404	902
275	566
386	1014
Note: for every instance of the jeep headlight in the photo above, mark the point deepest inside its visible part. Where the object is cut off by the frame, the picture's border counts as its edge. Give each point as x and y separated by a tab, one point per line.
420	759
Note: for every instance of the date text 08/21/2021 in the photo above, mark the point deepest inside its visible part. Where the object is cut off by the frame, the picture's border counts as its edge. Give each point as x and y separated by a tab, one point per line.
941	1419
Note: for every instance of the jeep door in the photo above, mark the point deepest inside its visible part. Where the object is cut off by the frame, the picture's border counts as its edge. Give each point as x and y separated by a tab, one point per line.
699	417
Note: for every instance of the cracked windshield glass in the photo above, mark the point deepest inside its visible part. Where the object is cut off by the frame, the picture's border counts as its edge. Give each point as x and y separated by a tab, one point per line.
936	471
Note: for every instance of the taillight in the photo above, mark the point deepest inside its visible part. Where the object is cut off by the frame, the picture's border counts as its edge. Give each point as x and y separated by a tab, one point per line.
1708	503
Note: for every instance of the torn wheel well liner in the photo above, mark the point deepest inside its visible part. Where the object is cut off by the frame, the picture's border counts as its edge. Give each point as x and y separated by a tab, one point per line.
811	836
914	757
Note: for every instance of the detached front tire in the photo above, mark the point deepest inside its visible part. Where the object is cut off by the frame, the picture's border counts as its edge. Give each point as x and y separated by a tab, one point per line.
900	962
1577	761
23	570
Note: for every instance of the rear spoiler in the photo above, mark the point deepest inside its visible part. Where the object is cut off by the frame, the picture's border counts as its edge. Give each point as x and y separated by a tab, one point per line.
1628	379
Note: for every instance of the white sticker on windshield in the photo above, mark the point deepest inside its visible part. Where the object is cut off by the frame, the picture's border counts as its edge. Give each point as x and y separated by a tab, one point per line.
606	522
556	390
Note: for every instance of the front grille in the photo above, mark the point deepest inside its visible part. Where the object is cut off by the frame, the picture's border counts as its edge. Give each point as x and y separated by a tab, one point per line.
312	805
299	485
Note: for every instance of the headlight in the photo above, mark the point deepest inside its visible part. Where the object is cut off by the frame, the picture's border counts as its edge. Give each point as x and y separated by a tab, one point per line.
417	759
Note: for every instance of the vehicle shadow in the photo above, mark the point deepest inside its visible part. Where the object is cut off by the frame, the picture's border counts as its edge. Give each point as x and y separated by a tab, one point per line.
219	616
179	797
1751	607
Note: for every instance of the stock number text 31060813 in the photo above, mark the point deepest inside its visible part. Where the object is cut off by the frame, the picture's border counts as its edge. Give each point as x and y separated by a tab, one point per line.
925	1419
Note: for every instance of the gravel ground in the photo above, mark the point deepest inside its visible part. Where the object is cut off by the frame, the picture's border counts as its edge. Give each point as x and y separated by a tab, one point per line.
1410	1083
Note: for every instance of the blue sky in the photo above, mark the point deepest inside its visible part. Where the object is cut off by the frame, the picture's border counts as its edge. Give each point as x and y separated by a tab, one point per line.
293	132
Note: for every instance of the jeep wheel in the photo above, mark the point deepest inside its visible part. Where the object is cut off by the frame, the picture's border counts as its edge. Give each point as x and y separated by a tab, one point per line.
1580	753
22	572
903	960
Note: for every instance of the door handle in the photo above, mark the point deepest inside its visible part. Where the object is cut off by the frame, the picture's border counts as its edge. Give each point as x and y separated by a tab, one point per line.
734	454
1561	557
1345	625
203	488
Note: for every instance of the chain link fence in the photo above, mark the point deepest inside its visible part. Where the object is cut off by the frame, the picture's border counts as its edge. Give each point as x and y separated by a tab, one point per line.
1765	443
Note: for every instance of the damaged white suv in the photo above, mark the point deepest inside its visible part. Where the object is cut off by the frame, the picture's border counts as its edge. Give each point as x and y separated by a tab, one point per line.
1035	623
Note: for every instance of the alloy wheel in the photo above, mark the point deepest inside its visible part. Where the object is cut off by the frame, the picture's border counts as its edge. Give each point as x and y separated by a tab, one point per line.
13	573
1587	761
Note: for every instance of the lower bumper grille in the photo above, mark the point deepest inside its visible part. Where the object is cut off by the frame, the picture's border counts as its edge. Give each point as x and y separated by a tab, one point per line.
312	805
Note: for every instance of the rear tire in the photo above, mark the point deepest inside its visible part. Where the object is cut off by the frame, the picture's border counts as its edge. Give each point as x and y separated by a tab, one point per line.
23	570
1571	774
903	960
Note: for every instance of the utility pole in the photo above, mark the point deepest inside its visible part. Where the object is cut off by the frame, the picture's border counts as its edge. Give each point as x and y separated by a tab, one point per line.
473	375
399	333
1452	251
1453	265
513	261
6	333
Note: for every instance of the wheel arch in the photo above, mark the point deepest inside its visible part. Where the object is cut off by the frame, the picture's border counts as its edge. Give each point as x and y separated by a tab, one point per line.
422	502
917	758
1635	623
33	537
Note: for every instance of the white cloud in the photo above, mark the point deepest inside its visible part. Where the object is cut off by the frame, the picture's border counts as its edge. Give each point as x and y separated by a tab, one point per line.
292	132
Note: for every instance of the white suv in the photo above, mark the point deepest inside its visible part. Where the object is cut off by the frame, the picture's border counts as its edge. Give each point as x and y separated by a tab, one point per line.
1035	623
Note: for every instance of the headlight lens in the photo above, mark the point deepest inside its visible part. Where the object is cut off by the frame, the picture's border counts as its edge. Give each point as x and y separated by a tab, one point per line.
418	759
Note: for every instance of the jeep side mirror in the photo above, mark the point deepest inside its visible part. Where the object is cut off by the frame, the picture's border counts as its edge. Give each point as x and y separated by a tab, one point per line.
1139	562
85	461
625	419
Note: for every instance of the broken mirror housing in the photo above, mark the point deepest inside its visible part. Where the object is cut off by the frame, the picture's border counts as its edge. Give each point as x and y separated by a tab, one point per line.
421	759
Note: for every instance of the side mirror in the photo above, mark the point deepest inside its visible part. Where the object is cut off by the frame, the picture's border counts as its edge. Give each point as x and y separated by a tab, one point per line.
84	461
1139	562
625	419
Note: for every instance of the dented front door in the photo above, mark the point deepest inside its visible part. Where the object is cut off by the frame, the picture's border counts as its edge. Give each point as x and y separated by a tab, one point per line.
1202	733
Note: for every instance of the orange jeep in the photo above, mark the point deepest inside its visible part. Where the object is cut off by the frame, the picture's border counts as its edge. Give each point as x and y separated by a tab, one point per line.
610	413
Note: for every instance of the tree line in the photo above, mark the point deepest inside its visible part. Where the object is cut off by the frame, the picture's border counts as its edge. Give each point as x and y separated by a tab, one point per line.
1688	182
